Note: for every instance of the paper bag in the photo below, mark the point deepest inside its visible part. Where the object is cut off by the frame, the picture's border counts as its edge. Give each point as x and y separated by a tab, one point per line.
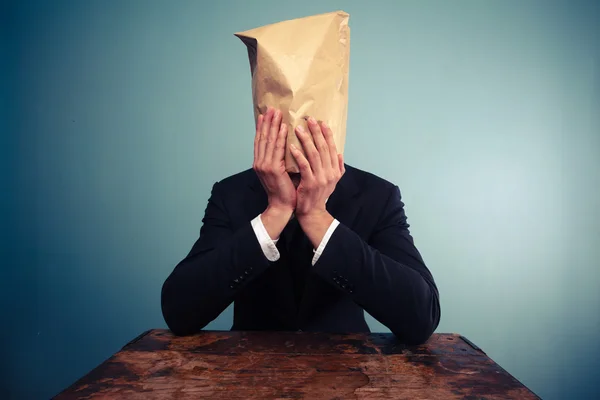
301	67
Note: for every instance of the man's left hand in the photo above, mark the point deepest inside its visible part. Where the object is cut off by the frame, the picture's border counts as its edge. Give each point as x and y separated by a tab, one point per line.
320	171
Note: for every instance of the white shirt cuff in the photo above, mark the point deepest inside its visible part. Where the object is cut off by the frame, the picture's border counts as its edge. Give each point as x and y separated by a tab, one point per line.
324	241
267	244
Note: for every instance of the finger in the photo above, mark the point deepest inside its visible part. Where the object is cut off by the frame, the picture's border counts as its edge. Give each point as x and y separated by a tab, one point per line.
312	154
320	144
272	136
341	163
306	172
333	156
279	152
264	130
259	122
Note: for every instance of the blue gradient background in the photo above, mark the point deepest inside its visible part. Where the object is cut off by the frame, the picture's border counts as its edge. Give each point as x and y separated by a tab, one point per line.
117	117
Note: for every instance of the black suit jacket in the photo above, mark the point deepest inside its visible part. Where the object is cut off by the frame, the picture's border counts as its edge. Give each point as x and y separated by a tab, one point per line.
370	263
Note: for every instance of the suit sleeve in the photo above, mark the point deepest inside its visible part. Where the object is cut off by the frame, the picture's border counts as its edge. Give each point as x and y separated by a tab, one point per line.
221	263
386	276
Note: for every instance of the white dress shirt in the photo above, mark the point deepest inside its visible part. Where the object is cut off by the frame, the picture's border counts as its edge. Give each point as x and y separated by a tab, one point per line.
269	247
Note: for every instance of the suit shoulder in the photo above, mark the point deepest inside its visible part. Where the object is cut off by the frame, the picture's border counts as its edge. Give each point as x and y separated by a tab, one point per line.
239	179
369	181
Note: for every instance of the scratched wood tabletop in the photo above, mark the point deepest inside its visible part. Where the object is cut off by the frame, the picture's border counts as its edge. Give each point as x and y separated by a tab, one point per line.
296	365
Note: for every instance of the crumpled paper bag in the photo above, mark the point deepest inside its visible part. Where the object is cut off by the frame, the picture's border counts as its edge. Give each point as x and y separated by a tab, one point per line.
301	67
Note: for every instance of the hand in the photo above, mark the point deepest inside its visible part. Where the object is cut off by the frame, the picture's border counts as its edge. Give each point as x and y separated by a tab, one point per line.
269	164
320	170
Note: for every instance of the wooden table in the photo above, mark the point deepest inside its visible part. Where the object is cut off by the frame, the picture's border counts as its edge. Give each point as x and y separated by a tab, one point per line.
296	365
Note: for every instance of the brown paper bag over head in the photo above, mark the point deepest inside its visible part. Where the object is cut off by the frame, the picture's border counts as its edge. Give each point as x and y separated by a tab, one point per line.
301	67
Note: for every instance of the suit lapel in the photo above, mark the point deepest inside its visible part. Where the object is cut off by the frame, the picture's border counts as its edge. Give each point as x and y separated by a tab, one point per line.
341	206
258	201
280	278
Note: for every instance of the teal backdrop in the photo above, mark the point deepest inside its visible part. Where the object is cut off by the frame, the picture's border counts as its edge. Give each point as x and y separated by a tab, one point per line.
118	116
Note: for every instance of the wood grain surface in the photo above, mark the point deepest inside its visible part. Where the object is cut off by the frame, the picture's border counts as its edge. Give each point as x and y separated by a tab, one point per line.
296	365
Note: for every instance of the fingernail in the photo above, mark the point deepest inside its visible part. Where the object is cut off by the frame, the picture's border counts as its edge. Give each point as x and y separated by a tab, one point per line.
324	124
300	129
312	120
293	147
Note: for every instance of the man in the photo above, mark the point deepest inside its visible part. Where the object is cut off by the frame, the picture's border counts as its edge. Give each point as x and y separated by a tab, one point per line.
307	252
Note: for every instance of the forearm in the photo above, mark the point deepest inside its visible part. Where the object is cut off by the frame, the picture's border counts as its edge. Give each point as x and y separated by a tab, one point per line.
394	293
274	219
315	226
205	283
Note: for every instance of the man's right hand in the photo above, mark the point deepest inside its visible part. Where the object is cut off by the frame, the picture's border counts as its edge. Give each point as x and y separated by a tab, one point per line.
269	164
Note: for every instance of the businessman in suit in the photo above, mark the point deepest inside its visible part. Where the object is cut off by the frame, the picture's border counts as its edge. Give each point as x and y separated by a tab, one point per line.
309	251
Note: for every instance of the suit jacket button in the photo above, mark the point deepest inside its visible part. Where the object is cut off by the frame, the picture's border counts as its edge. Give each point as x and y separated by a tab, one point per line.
231	286
236	280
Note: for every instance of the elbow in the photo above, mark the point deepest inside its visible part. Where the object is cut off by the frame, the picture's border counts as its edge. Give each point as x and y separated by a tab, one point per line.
177	328
175	313
180	329
423	324
176	322
417	334
168	305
